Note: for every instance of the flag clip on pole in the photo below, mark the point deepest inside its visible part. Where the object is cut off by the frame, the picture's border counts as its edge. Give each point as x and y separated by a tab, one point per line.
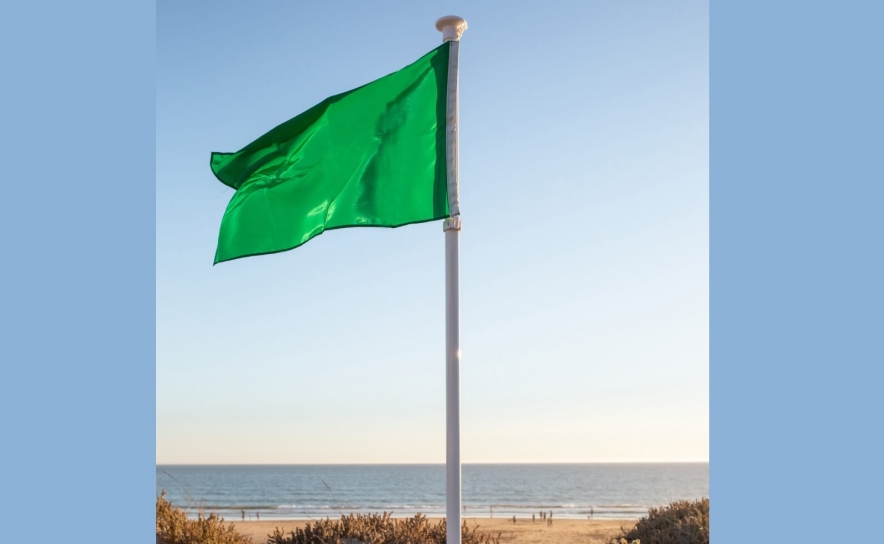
452	27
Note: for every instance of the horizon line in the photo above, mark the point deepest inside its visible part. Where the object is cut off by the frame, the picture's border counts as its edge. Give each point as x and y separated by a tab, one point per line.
670	462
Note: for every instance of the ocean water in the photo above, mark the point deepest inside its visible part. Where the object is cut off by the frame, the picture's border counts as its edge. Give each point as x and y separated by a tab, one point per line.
612	491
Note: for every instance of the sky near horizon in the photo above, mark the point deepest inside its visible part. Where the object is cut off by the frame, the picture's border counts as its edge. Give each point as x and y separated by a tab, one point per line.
584	251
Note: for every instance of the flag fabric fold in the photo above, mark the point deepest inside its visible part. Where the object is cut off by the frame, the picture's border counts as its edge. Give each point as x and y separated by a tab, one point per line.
374	156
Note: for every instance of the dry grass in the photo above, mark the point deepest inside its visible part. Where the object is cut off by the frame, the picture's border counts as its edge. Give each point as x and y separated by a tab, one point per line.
682	522
173	527
377	529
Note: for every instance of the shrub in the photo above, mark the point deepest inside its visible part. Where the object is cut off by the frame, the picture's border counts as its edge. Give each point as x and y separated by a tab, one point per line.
173	527
682	522
377	529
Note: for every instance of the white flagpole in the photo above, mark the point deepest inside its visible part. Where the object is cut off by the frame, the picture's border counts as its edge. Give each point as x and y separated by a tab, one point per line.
452	27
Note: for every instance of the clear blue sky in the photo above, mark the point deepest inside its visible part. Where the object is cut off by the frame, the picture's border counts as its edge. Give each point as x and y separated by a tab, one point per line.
584	252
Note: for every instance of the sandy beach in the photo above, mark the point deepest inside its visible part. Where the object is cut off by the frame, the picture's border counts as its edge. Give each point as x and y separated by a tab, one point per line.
562	531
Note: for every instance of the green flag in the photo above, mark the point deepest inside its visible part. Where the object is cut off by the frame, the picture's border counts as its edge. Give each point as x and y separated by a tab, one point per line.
370	157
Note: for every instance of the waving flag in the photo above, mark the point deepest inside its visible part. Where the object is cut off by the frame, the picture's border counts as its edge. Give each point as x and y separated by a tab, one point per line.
371	157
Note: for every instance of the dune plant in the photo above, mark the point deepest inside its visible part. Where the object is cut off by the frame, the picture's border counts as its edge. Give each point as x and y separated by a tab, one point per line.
681	522
173	527
377	529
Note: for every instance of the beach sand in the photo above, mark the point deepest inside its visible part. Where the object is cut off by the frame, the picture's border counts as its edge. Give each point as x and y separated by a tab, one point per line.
562	531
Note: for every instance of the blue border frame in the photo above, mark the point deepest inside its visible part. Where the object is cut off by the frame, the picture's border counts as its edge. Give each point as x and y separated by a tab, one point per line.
797	221
796	268
77	301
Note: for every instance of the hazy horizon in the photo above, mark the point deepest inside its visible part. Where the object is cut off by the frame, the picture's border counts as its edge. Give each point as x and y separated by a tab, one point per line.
435	464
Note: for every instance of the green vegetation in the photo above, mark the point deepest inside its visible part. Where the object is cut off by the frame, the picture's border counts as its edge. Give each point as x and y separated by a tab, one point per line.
682	522
378	529
173	527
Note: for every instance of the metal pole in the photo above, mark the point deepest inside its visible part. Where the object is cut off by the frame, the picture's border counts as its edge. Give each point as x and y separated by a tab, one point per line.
452	383
452	27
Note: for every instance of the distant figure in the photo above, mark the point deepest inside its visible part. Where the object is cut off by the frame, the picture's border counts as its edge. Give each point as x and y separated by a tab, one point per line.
591	513
492	511
258	516
243	514
550	517
532	518
514	519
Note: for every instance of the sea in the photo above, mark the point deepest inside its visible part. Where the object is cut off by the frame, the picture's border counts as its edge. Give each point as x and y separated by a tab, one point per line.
277	492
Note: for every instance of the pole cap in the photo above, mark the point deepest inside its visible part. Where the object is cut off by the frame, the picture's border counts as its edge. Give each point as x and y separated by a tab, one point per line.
451	27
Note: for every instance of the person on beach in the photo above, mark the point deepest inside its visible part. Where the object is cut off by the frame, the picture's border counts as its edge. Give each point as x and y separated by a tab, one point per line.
514	520
532	518
591	513
258	516
243	514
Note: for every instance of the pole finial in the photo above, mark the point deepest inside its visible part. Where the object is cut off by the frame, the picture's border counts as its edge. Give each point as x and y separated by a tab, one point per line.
451	27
